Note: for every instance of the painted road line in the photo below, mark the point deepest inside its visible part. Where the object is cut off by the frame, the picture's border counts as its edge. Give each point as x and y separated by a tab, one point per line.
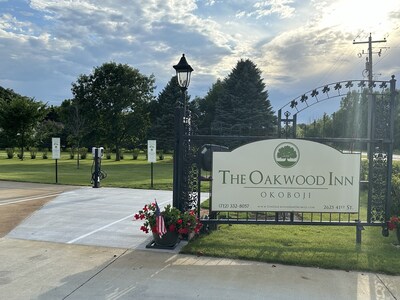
99	229
106	226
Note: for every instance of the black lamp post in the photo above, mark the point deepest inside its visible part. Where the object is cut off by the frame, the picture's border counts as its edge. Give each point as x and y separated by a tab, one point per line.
183	72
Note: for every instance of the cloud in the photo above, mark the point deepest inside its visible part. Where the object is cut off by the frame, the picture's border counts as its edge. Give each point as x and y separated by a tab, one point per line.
279	7
261	9
46	44
319	50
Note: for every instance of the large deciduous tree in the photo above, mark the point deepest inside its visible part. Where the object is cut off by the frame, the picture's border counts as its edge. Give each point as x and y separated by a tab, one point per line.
74	121
19	116
114	100
243	106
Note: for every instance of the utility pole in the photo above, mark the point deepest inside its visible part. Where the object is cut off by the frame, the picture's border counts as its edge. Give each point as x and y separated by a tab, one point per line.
369	58
371	102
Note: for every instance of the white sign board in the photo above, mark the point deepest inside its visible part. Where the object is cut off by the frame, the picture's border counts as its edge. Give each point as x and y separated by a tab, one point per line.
286	175
56	148
151	151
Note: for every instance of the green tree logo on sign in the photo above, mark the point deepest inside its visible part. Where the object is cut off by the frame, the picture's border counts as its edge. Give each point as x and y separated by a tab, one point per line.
286	155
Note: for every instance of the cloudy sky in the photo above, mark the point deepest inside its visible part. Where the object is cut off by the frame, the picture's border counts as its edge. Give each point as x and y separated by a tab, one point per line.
298	45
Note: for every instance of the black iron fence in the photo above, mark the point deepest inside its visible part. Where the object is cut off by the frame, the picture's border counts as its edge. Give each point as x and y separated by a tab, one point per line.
192	172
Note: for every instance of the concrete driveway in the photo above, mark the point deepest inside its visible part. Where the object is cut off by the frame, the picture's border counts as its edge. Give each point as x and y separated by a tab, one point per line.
87	216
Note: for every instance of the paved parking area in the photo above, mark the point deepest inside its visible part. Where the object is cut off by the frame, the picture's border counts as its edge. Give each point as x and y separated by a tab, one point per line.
88	216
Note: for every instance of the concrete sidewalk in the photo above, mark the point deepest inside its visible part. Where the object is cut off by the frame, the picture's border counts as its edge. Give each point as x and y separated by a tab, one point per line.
43	270
84	245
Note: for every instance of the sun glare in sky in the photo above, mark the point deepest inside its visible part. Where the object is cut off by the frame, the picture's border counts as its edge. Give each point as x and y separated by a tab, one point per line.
359	15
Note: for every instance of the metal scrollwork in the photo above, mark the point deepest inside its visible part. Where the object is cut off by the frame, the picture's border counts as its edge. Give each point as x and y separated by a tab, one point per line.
379	175
378	187
189	185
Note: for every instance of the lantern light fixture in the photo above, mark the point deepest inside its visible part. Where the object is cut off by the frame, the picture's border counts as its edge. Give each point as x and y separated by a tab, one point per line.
183	72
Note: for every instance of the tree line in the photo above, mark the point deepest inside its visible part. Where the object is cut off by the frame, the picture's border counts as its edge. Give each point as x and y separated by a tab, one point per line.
114	107
351	119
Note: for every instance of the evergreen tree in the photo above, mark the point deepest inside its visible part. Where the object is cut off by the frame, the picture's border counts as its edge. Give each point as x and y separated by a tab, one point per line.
7	94
243	106
206	107
162	114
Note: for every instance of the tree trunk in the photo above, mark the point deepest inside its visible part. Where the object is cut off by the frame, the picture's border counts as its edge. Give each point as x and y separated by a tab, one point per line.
22	146
77	159
117	156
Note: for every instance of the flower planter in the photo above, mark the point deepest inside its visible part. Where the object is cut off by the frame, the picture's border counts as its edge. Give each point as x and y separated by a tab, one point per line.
179	224
169	239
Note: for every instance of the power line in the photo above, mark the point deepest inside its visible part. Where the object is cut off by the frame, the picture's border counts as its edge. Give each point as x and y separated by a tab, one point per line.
368	70
368	64
338	62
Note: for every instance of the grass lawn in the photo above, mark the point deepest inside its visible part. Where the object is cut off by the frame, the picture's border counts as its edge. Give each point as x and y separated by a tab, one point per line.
330	247
127	173
315	246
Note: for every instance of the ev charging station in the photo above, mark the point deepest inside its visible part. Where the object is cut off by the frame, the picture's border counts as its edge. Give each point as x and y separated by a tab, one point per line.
97	174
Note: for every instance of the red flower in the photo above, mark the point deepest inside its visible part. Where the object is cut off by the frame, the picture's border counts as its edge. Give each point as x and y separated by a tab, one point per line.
176	221
198	227
183	231
394	219
393	223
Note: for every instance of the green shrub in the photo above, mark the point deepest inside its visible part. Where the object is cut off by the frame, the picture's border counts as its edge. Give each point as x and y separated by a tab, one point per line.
160	154
121	153
45	153
108	153
10	152
135	153
71	152
33	151
395	209
364	170
83	152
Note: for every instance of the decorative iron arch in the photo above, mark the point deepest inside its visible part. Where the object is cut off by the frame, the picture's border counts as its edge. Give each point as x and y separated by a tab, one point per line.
321	94
330	91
